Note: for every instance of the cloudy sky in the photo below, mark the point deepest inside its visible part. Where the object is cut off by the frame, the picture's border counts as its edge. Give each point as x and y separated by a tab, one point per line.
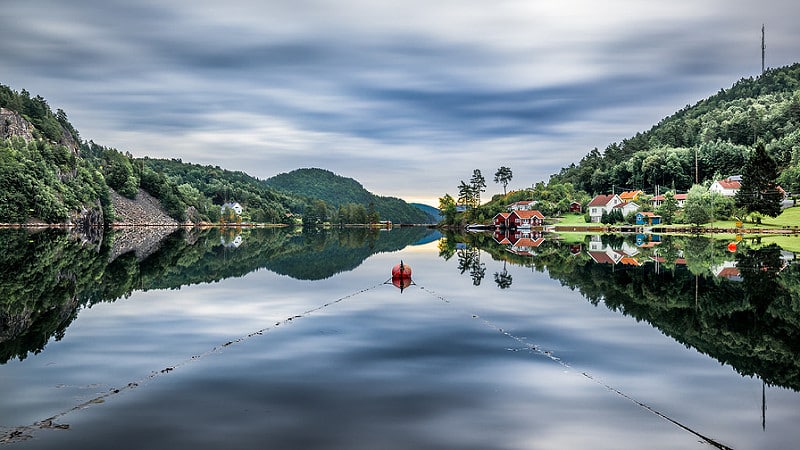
405	96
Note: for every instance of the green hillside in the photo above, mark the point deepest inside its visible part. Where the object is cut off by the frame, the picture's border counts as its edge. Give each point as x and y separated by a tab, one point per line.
341	192
719	131
47	174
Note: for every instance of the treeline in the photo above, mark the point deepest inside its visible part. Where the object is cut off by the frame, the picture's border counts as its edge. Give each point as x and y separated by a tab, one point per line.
47	181
710	140
48	125
337	192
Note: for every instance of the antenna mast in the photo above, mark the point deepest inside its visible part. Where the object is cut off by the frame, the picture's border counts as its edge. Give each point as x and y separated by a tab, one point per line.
763	49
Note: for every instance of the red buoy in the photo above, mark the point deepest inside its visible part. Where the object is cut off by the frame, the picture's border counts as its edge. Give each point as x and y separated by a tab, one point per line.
401	271
732	247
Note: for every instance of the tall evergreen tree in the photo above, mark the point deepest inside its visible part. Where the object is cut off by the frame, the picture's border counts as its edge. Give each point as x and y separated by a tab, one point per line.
478	183
503	176
759	192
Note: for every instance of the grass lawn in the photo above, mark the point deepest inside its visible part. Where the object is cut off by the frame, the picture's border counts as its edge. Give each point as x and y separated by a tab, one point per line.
572	219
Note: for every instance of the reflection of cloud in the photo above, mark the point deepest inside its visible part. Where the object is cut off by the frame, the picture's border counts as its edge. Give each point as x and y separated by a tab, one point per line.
408	89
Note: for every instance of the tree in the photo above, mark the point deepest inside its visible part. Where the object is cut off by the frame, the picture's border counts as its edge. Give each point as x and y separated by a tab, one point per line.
447	205
698	205
503	176
668	208
478	184
466	195
759	192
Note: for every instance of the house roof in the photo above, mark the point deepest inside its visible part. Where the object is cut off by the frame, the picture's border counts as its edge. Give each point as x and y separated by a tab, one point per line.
661	198
523	202
729	183
528	214
624	204
630	195
648	214
504	215
528	242
601	200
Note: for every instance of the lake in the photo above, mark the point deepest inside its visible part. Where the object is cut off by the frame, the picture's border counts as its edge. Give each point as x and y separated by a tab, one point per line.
277	338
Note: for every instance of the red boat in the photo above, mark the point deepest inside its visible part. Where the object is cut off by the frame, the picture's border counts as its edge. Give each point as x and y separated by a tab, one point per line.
401	276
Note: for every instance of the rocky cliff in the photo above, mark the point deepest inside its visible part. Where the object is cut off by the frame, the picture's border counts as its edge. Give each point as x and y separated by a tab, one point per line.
12	124
144	210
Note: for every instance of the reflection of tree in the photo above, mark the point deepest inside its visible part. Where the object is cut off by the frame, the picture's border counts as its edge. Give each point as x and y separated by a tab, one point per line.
503	278
46	277
469	259
752	324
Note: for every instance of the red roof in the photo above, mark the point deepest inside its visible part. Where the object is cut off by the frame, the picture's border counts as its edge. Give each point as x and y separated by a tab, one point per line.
648	214
528	214
730	184
630	195
601	200
661	198
528	242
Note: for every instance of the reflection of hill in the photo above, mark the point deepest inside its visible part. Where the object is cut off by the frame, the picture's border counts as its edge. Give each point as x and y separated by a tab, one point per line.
753	324
326	253
46	277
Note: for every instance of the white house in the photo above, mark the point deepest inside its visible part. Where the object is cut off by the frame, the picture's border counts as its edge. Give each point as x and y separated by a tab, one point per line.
235	206
524	205
602	204
727	187
626	208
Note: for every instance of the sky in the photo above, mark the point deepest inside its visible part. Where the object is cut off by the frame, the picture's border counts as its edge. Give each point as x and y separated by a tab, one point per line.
407	96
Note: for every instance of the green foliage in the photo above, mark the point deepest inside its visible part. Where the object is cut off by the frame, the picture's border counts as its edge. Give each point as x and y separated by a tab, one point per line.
336	191
759	192
47	125
503	176
708	140
45	181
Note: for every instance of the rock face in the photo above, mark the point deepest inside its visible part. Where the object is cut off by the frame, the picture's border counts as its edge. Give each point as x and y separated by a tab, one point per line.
145	210
12	124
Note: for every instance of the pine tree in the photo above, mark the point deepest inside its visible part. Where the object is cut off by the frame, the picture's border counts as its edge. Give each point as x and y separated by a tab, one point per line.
759	192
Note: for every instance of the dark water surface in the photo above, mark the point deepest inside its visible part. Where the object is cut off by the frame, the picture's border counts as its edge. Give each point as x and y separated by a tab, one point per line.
289	340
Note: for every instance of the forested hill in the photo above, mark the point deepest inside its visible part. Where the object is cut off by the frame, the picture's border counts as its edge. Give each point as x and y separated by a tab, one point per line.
47	174
341	192
720	131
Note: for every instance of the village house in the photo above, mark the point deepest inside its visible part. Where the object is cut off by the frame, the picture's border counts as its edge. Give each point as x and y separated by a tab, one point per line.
727	187
519	219
658	200
647	218
602	204
575	207
234	206
626	208
524	205
631	196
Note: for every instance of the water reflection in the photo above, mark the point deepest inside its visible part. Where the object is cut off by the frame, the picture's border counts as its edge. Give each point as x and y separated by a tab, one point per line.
47	276
740	307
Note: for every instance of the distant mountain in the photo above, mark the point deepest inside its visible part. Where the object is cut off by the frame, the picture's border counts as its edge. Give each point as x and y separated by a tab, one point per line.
433	213
338	191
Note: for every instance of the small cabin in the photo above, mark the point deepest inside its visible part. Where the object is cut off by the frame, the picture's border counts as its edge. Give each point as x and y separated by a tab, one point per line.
647	218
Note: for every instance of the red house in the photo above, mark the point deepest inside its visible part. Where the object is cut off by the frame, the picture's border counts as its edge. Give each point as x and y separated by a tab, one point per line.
525	219
501	220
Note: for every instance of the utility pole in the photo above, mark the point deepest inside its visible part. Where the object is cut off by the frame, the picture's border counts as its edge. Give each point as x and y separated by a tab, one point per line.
763	49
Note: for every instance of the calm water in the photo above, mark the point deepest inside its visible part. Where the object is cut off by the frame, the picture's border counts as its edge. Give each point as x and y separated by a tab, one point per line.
276	339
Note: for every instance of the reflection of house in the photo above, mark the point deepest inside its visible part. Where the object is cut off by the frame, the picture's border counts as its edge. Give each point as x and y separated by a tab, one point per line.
647	218
658	200
727	187
727	270
602	204
525	245
604	254
234	243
